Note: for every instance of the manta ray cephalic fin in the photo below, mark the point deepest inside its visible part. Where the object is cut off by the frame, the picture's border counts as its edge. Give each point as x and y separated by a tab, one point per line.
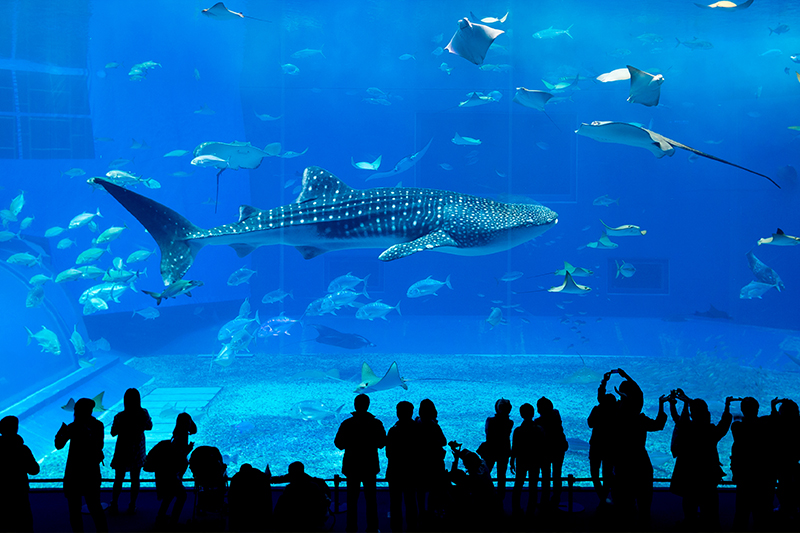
427	242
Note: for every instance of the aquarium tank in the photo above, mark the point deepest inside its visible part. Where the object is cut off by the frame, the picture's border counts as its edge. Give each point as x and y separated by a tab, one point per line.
251	211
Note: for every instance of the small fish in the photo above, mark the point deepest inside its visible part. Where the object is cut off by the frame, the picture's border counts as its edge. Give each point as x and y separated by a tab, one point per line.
495	317
754	289
176	153
438	51
290	69
624	269
93	305
267	118
695	44
183	286
510	276
242	275
71	274
308	52
605	200
276	296
39	279
445	68
35	297
406	57
148	313
47	340
348	281
6	236
276	325
376	309
63	244
74	172
24	259
100	344
110	234
77	341
551	33
427	287
446	166
781	28
26	222
90	256
465	141
83	219
119	163
55	231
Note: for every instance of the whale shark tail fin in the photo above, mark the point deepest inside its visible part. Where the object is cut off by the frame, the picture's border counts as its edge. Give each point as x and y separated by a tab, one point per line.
171	231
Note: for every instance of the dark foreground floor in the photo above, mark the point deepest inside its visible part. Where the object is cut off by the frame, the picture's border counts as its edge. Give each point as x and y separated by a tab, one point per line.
50	513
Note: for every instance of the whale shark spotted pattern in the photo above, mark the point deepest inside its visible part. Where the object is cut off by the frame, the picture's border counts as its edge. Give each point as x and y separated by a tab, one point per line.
329	215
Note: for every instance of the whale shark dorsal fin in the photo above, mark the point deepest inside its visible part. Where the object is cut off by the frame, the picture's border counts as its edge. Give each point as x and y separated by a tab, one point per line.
247	211
318	182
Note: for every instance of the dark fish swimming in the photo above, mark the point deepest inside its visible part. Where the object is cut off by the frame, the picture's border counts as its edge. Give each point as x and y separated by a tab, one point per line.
329	215
351	341
713	312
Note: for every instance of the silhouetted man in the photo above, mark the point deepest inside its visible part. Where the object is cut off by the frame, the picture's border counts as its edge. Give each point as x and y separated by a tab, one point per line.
752	468
82	473
16	463
305	501
360	436
402	452
527	456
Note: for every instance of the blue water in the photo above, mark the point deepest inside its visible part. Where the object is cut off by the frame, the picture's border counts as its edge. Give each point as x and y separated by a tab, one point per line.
63	106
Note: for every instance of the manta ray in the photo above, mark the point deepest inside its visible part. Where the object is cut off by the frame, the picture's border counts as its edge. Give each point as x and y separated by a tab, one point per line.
569	286
471	41
726	5
329	215
401	166
645	87
372	383
659	146
219	12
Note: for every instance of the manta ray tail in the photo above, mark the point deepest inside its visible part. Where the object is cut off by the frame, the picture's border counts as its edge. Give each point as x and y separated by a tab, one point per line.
170	230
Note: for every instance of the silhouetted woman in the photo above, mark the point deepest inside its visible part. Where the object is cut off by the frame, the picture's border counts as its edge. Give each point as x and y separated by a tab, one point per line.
497	448
697	468
555	446
129	426
16	463
169	476
432	472
82	473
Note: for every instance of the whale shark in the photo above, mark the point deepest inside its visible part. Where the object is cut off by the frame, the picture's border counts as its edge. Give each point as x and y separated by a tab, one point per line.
329	215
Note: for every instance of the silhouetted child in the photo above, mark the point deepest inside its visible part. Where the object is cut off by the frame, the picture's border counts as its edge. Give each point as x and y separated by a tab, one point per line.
633	471
82	473
752	468
16	463
129	426
361	436
169	474
305	501
555	446
431	478
697	469
601	420
527	455
497	448
402	443
785	432
475	499
250	500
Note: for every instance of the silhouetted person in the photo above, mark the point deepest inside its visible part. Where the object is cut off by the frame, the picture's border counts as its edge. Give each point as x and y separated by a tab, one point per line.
82	473
601	420
555	446
497	448
250	500
360	436
633	471
697	468
402	443
16	463
475	499
305	501
431	479
129	426
752	468
169	475
785	422
527	456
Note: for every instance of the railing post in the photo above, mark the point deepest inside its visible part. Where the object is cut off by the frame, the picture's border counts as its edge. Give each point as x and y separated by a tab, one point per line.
571	485
337	479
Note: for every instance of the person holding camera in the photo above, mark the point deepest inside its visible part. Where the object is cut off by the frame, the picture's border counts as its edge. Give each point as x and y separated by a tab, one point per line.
697	469
474	496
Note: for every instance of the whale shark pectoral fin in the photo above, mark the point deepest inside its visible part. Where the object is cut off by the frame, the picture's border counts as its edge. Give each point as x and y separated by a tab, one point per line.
310	252
242	249
427	242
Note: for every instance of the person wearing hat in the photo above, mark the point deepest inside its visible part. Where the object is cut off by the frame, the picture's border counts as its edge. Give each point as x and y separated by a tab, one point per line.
18	462
82	473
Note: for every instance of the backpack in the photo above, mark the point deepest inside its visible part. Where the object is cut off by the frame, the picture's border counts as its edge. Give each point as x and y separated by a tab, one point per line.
158	457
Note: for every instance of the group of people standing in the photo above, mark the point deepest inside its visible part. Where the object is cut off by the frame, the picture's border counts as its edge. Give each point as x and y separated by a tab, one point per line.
424	494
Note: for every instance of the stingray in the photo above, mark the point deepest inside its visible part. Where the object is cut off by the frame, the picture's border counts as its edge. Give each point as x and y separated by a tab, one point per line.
471	41
372	383
569	286
645	87
533	99
219	12
780	239
330	336
235	155
98	404
764	273
476	99
403	165
659	146
568	268
625	230
713	312
726	5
